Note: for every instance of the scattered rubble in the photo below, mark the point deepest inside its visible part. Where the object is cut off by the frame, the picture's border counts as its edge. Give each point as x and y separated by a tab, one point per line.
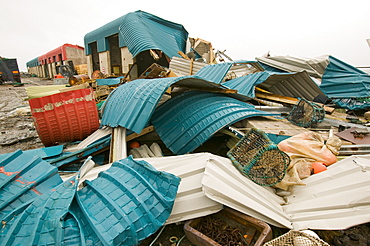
115	160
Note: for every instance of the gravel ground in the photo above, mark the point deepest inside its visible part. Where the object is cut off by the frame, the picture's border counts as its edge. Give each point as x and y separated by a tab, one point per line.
17	130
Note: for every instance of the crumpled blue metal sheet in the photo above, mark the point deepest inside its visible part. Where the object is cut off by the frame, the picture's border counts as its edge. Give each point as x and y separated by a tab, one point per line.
132	104
128	202
214	73
298	84
41	222
142	31
109	81
124	205
23	178
245	84
188	120
342	80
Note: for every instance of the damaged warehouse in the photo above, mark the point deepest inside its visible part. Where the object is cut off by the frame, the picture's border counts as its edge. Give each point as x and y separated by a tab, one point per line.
170	133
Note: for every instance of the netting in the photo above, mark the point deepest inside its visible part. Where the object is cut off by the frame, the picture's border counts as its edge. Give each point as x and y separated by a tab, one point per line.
258	158
306	114
294	238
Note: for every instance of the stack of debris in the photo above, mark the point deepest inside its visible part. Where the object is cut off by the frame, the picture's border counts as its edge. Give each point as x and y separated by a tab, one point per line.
237	146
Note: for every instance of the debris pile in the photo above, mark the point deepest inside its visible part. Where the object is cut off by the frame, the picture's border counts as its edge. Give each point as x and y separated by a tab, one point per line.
124	156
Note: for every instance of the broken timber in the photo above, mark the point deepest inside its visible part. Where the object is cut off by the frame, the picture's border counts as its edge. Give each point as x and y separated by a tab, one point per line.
287	100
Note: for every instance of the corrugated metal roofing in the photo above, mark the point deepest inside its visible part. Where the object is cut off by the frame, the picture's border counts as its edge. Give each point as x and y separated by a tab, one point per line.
142	31
298	85
314	66
122	206
342	80
194	116
190	202
41	223
335	199
214	73
128	202
23	178
183	67
132	104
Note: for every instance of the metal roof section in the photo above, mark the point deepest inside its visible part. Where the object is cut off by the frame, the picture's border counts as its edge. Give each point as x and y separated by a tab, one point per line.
342	80
241	68
336	199
314	66
132	104
142	31
245	85
298	85
190	200
184	67
214	73
41	223
128	202
43	153
224	183
23	178
194	117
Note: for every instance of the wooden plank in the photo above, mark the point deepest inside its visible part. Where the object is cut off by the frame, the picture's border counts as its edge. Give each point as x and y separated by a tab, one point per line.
288	100
143	132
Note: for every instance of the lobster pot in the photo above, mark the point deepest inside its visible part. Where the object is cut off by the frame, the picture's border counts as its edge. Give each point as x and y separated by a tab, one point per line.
306	114
258	158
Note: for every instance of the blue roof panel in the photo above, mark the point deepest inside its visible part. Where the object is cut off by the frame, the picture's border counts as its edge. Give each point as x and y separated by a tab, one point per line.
342	80
140	31
132	104
128	202
214	73
188	120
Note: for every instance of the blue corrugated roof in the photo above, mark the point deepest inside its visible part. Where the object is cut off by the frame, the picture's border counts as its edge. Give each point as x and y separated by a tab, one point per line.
128	202
298	84
214	73
41	223
140	31
245	84
132	104
188	120
33	63
342	80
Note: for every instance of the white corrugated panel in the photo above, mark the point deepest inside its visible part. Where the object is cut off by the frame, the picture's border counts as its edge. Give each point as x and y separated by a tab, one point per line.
182	67
314	66
335	199
223	183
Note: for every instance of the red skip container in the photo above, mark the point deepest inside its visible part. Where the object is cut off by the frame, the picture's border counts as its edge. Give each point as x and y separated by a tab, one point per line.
65	117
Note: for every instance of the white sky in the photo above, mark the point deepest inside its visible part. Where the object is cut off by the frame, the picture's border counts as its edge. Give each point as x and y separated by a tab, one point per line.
245	29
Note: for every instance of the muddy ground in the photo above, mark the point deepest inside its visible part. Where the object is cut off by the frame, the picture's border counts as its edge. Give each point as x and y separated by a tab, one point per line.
17	131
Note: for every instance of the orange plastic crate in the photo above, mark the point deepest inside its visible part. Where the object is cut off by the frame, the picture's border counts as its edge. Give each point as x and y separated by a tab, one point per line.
65	117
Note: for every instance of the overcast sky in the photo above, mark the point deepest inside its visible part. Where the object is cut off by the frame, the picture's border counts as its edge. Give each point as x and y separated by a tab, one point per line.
245	29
